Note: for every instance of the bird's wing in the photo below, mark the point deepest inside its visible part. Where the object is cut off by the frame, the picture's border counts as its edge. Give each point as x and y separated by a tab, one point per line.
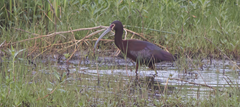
146	51
140	49
159	54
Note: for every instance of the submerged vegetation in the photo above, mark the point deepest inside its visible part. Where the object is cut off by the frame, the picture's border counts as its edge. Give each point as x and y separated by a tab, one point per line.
196	29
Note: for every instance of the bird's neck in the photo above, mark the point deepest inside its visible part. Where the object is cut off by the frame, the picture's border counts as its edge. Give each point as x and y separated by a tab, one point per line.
118	38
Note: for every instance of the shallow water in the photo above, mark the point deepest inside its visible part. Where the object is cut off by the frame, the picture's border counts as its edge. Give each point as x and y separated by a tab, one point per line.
217	74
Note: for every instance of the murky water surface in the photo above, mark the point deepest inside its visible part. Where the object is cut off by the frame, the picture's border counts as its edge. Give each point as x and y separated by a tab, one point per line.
217	73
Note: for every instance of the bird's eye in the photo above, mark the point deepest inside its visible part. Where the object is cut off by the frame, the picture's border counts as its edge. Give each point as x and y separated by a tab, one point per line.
112	26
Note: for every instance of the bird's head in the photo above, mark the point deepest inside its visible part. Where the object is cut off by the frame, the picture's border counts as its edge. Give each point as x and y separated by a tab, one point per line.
113	26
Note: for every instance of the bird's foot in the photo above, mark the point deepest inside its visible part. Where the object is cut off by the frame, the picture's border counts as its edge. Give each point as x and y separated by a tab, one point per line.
156	73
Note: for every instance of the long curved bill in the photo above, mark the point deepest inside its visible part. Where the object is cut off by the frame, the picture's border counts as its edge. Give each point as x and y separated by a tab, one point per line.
104	33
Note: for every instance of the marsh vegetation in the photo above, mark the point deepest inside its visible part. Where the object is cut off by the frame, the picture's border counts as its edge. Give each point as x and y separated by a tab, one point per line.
46	53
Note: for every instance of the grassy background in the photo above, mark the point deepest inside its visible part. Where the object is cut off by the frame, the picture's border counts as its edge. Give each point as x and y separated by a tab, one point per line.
181	26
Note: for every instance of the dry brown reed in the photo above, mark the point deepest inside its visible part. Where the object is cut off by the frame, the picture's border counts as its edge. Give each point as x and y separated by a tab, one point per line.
73	42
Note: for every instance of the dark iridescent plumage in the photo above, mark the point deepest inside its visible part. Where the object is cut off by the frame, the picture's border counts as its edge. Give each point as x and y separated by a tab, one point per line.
142	52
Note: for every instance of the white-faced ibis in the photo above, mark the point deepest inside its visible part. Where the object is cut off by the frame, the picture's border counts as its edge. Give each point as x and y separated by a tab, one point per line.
142	52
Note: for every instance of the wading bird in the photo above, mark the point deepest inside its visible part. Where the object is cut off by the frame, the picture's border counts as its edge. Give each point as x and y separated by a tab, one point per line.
142	52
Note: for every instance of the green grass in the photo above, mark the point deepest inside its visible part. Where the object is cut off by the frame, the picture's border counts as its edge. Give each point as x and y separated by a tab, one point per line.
42	86
181	26
184	27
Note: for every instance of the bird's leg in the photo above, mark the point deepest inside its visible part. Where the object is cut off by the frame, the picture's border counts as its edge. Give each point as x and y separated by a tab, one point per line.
152	66
136	80
155	70
136	70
